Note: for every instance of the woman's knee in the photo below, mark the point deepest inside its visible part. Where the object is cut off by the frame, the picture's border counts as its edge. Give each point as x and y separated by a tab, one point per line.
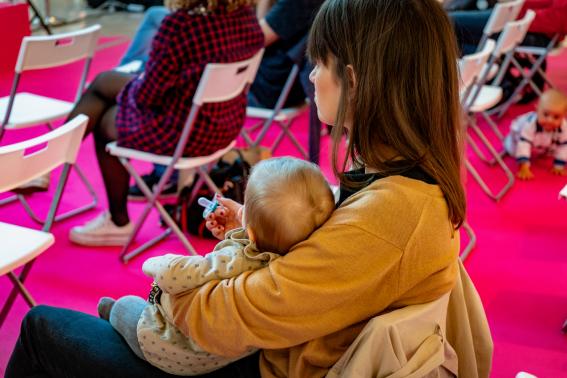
107	85
101	81
37	323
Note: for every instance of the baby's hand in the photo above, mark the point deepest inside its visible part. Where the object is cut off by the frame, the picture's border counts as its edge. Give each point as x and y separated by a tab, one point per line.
227	216
559	171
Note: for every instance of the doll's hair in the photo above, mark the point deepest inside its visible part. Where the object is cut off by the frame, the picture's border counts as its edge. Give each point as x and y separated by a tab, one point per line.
554	96
405	92
286	199
204	6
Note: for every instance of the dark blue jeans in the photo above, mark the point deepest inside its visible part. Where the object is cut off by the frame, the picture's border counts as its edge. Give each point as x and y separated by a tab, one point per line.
468	28
56	342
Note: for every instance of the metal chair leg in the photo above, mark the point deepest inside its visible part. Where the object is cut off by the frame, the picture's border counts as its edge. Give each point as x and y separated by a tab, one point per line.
152	197
472	241
285	131
472	123
31	213
18	288
500	163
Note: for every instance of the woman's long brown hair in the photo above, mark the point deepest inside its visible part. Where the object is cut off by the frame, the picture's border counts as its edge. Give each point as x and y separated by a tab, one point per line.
404	57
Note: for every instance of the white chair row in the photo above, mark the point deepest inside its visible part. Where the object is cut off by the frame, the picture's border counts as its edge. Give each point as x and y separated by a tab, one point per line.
20	163
23	110
478	97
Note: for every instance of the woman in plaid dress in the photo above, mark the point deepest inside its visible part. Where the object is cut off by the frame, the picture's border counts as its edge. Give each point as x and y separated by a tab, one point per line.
148	111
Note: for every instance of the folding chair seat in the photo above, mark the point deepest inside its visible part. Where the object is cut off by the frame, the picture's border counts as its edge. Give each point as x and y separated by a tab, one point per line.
481	97
470	244
22	110
279	116
234	78
20	163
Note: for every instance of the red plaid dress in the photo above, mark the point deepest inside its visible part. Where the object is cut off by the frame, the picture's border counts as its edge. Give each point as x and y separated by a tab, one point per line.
153	108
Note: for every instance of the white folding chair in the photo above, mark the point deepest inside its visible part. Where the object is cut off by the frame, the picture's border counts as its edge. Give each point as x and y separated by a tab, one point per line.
22	110
279	116
219	83
471	68
482	97
20	163
501	14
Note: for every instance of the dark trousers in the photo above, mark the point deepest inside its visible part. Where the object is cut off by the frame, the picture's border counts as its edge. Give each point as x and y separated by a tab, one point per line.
56	342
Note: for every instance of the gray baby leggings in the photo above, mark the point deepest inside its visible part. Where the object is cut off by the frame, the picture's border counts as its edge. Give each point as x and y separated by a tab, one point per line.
124	317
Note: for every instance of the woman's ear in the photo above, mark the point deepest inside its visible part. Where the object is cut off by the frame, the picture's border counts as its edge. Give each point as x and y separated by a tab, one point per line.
351	80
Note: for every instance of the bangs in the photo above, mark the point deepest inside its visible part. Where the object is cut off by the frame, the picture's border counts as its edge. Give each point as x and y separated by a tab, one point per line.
320	44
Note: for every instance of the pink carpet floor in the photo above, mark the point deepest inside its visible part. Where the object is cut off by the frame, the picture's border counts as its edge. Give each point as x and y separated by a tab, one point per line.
519	264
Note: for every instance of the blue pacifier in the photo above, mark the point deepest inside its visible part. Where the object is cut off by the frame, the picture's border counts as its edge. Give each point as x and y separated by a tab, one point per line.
209	206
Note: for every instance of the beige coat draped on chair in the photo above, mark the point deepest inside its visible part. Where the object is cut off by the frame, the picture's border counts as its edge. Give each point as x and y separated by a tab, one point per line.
448	337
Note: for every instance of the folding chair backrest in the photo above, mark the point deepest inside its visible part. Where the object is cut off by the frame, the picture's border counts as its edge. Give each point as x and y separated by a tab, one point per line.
38	52
513	34
501	14
470	66
224	81
24	161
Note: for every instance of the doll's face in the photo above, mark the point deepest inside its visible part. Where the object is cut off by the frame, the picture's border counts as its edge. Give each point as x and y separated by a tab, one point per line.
550	114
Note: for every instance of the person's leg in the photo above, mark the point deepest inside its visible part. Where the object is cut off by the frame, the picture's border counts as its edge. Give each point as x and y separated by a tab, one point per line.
99	103
99	97
141	44
115	177
468	28
124	317
57	342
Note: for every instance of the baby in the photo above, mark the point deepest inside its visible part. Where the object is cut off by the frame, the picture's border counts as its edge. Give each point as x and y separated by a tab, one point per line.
286	199
543	131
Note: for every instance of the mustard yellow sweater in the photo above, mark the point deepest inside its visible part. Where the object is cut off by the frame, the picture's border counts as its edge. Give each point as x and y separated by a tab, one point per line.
388	246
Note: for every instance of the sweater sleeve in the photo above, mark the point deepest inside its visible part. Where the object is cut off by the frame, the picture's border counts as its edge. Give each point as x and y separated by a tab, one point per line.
298	297
175	274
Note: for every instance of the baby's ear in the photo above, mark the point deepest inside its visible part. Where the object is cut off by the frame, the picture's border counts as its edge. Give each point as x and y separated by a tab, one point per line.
251	234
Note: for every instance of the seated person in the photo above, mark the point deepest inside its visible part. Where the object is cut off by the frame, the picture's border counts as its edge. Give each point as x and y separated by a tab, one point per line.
284	25
285	201
148	111
543	131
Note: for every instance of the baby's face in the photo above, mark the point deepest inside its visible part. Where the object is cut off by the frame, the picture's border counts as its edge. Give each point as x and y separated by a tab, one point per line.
550	115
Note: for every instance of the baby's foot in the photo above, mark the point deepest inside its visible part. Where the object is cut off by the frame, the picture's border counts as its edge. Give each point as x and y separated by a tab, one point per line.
104	306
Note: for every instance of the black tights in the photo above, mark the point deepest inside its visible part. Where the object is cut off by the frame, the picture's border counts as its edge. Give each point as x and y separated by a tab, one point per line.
99	104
